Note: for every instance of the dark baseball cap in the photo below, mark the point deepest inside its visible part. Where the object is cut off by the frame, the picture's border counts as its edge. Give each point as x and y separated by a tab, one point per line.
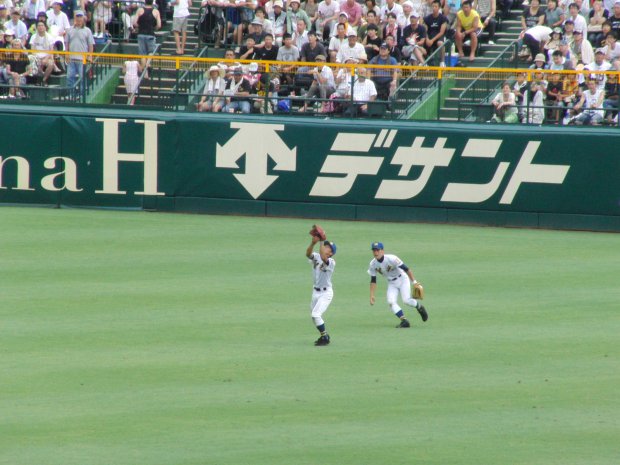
376	246
332	245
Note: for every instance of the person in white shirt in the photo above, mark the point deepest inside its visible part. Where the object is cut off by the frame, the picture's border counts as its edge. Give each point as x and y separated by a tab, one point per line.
579	21
351	49
213	93
323	84
336	42
43	41
323	266
58	23
300	34
328	15
179	23
591	103
399	279
363	91
390	7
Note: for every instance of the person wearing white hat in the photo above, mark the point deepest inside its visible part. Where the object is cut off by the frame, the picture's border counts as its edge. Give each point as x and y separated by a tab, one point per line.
403	19
58	22
212	99
278	21
351	49
295	13
414	38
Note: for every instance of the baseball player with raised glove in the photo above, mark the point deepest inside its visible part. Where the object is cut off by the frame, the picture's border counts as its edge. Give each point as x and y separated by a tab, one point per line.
323	266
399	279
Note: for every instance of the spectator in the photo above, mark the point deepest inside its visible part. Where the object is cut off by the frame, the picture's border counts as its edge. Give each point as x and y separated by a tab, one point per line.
18	27
268	50
278	21
414	38
353	11
300	35
536	37
581	49
612	47
265	90
536	114
403	19
486	9
532	16
260	16
554	95
343	80
255	30
599	64
17	68
436	26
371	20
351	49
371	5
328	12
559	63
312	10
58	23
147	21
293	14
505	106
467	25
312	49
521	90
569	28
323	84
612	89
41	40
237	92
248	51
598	16
102	15
336	42
385	79
372	42
540	62
363	91
390	6
79	39
392	29
131	71
288	51
554	16
394	50
212	99
31	10
554	42
614	19
591	104
343	18
579	21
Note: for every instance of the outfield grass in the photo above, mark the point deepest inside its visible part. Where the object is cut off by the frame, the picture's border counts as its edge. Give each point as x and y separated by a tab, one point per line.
164	339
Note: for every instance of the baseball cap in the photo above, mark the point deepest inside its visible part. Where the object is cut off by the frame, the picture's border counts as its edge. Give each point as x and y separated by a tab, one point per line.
78	13
320	57
16	12
238	72
414	14
2	6
600	50
253	67
351	33
256	22
57	2
569	21
557	30
577	31
344	13
376	246
278	3
332	245
384	45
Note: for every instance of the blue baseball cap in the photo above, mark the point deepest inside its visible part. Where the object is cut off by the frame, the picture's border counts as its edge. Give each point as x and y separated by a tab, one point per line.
376	246
331	245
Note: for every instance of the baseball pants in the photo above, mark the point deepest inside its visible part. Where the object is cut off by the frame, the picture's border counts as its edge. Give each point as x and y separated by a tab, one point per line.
402	286
320	302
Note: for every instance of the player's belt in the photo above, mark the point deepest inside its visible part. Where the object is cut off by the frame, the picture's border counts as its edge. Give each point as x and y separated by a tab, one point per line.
394	279
320	289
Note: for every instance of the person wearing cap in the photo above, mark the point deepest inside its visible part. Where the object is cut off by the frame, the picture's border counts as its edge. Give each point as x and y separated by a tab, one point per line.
323	266
180	18
343	19
323	83
414	38
436	26
399	278
353	11
553	43
79	40
540	62
600	65
385	79
328	11
337	41
17	26
403	19
30	11
278	21
237	93
351	49
212	99
257	32
295	13
487	10
58	23
581	49
467	27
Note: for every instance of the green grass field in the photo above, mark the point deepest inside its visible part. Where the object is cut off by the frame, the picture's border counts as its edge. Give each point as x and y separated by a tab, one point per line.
133	338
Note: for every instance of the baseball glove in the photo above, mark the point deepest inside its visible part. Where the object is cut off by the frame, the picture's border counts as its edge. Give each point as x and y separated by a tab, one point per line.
318	232
418	291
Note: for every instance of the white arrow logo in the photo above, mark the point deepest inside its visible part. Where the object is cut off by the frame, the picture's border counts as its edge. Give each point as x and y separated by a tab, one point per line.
257	142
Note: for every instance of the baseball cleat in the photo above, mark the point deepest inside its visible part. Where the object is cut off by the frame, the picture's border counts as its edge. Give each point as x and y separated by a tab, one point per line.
322	341
404	323
422	312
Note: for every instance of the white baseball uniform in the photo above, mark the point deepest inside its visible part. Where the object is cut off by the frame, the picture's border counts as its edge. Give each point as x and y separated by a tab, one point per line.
397	280
322	292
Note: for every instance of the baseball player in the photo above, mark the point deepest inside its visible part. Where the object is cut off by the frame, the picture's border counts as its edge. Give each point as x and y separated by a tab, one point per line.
399	279
322	293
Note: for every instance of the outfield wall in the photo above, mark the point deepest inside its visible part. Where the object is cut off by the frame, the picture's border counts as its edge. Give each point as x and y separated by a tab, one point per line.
358	170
